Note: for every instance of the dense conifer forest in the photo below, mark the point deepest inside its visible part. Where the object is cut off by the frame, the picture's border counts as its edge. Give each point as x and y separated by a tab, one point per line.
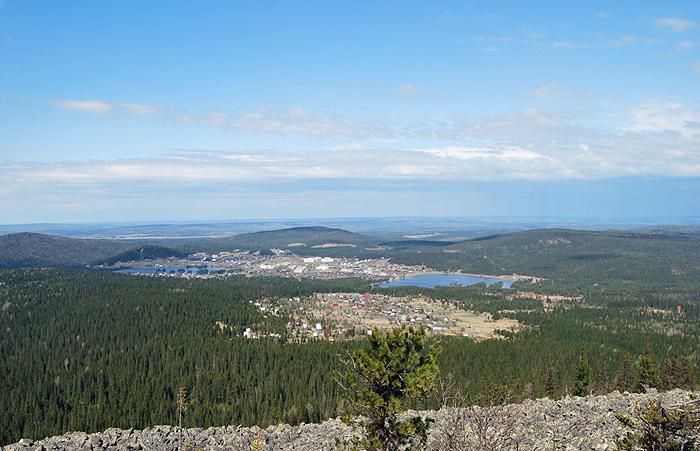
87	350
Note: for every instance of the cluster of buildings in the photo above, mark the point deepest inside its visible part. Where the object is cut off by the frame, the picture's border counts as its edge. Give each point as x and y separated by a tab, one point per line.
279	263
334	316
345	316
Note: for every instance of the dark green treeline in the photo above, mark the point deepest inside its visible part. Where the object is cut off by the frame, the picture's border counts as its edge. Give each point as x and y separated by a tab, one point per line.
85	350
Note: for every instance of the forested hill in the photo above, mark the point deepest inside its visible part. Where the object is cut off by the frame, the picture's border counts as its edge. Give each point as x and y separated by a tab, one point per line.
298	239
581	257
146	252
35	249
38	250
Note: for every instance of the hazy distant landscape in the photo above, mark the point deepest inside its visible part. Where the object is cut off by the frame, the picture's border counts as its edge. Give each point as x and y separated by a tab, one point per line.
383	226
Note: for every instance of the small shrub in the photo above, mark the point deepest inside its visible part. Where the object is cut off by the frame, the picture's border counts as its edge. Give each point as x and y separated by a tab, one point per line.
662	429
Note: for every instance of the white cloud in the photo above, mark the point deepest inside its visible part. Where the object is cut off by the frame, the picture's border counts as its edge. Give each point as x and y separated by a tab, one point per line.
138	109
297	121
654	115
624	41
479	153
546	90
410	90
566	45
659	138
603	15
444	163
695	66
687	45
675	24
631	40
101	107
85	106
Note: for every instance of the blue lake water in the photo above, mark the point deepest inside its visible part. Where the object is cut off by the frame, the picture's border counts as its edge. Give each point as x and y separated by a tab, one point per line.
443	280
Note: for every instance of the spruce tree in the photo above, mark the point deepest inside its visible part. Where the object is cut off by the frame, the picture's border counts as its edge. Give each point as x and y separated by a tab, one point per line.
646	373
624	379
600	383
583	378
676	372
550	383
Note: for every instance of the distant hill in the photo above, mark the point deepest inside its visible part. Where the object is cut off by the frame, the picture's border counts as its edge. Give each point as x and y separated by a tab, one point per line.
412	244
578	257
146	252
298	239
38	250
570	258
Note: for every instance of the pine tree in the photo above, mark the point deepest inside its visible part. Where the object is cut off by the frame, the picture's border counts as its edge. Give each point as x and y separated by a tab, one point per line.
397	366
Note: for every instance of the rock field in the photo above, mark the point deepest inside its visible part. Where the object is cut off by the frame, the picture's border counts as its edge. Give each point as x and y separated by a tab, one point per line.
571	423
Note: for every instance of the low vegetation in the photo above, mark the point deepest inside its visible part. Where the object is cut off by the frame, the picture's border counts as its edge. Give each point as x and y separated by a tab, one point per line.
662	428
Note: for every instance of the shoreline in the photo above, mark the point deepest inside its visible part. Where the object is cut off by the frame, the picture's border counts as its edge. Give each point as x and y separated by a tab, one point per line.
505	277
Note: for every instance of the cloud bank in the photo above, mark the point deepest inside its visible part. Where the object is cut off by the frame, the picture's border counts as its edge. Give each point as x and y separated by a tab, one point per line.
659	138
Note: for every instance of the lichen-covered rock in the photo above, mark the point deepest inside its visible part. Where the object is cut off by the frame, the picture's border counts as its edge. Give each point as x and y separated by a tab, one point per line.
571	423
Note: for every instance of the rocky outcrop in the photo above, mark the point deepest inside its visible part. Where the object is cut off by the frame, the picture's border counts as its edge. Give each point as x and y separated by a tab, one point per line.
302	437
571	423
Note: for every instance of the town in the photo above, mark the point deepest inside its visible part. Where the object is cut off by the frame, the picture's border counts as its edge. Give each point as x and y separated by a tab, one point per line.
280	263
345	316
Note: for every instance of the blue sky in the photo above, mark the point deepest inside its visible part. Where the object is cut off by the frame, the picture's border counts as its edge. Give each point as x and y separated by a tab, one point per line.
130	110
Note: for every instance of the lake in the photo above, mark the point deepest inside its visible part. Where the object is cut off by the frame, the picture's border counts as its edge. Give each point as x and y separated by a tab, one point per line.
443	280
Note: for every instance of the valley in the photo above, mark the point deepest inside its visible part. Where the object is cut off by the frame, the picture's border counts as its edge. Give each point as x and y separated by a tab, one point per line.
240	322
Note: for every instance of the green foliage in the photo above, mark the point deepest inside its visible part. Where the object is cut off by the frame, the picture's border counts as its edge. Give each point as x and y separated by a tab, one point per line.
87	350
550	383
646	372
677	372
572	259
583	378
396	366
624	381
600	383
146	252
34	249
661	429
